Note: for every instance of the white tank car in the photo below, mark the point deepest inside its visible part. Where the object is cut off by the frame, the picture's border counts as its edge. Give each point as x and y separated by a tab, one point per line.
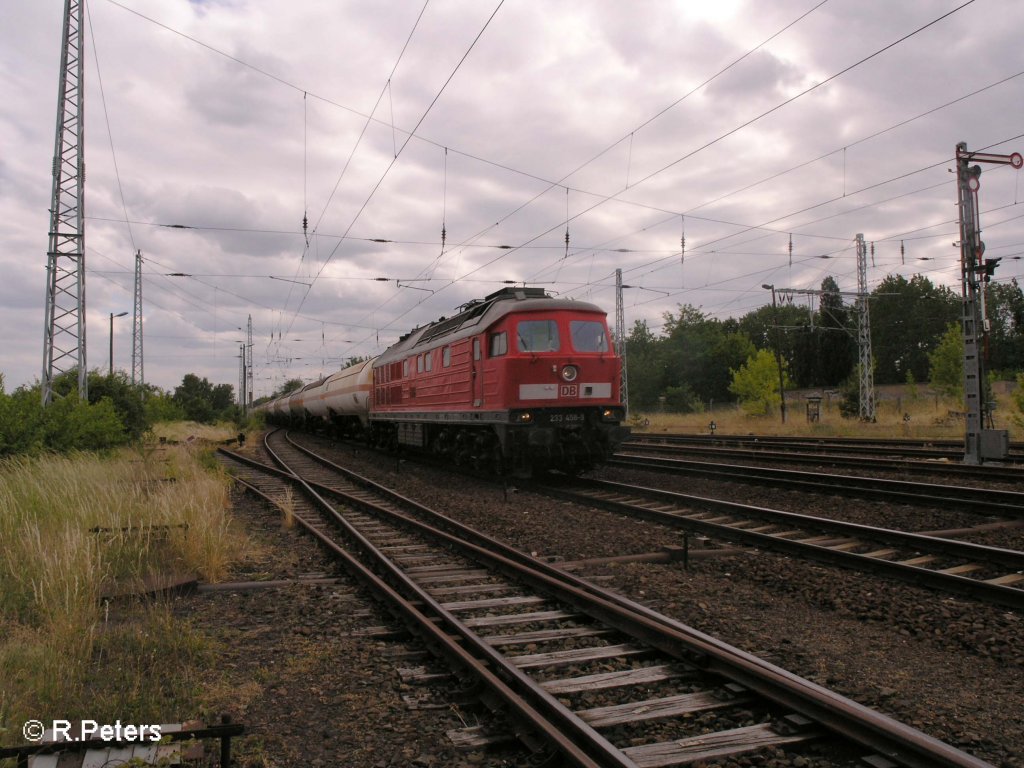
346	394
279	407
297	402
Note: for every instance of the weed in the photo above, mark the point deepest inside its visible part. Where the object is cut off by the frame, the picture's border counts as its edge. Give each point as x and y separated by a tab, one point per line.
74	527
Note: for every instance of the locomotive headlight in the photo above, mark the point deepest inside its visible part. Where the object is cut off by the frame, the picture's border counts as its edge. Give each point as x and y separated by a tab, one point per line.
570	372
612	414
522	417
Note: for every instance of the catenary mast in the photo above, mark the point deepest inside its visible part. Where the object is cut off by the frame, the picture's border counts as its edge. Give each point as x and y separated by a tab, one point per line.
64	326
138	377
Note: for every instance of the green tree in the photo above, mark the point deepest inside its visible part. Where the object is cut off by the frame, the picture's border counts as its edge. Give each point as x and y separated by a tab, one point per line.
161	406
756	383
836	346
222	398
128	400
646	366
202	401
946	363
1005	311
292	385
797	343
908	318
700	352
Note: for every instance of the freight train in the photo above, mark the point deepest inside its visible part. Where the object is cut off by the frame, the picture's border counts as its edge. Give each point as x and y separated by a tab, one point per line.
516	382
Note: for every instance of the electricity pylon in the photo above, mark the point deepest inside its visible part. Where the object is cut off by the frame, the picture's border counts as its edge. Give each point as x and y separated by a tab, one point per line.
64	325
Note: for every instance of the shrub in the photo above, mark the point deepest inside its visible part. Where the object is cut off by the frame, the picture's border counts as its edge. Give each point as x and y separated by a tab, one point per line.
756	383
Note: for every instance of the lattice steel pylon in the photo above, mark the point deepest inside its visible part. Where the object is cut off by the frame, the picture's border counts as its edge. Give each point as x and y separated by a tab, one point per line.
865	364
64	326
620	339
138	376
248	368
241	376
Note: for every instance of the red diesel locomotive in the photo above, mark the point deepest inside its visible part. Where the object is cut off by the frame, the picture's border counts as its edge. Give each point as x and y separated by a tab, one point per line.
515	382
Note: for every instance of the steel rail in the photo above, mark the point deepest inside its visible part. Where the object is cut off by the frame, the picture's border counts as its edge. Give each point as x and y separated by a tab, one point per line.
903	744
434	636
1010	473
1002	595
953	446
979	500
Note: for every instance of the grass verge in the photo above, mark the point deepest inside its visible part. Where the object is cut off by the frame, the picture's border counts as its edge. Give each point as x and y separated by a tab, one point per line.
930	417
73	528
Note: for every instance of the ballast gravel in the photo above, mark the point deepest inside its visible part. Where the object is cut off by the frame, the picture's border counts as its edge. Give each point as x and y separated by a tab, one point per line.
953	668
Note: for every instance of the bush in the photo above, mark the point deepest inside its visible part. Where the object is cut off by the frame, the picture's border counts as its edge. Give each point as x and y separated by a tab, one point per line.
946	363
161	406
756	383
70	424
1017	396
67	424
680	399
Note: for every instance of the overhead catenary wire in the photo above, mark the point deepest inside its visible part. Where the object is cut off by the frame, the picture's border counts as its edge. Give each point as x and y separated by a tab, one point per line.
110	132
387	170
682	250
643	124
607	198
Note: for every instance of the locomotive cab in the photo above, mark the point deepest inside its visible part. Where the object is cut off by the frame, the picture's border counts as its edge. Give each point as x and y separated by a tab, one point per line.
514	382
557	372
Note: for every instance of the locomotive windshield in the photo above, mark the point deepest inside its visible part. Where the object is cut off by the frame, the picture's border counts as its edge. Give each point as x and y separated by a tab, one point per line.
588	336
537	336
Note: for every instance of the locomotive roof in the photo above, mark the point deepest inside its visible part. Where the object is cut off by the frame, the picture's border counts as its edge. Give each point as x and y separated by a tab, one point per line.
478	315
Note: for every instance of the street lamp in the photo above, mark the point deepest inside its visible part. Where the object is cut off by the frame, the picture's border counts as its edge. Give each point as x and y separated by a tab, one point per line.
112	316
778	351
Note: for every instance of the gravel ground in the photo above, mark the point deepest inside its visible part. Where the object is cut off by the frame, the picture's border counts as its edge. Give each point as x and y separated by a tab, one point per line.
311	690
953	668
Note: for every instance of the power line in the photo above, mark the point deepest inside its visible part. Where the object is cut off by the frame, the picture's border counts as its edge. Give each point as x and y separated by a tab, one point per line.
400	150
738	128
106	119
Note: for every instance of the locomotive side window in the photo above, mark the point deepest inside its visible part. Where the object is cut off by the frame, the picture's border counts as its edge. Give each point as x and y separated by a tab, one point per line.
405	369
429	358
446	356
419	364
476	349
499	344
537	336
588	336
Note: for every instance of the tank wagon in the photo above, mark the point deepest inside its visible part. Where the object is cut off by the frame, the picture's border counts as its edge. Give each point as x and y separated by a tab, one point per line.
514	382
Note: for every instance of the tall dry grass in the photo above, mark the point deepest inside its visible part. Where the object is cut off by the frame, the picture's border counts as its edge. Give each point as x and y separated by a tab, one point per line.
929	418
159	512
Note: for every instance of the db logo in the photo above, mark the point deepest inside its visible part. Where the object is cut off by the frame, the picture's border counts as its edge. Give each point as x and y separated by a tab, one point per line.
569	390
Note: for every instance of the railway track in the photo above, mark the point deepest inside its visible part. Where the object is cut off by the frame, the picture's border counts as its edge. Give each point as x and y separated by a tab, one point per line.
980	572
827	455
543	643
983	501
866	446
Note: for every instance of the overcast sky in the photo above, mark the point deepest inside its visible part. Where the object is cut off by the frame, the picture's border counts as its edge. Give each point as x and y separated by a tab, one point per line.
633	120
